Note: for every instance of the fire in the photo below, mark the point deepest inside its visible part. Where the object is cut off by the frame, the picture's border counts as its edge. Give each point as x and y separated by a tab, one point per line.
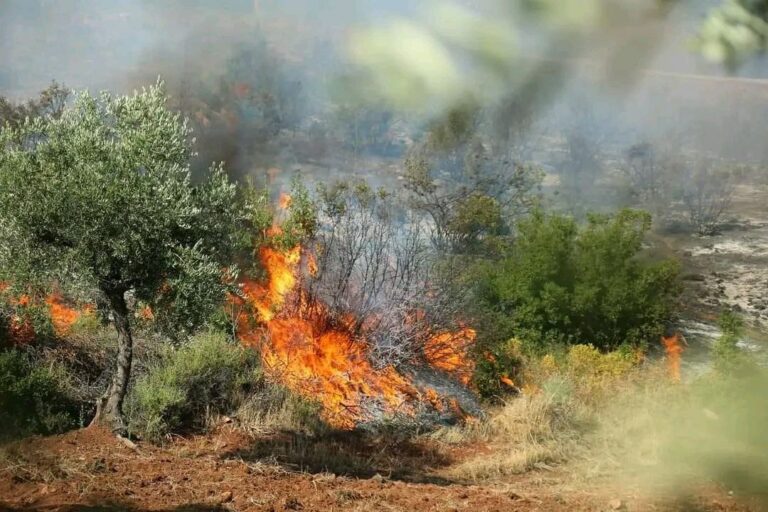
449	351
322	357
507	381
284	201
673	346
63	317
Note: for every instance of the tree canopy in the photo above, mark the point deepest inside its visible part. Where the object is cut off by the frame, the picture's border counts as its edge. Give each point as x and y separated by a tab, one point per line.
101	197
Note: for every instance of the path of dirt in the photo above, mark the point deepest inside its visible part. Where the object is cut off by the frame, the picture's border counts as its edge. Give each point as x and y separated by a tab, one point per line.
92	470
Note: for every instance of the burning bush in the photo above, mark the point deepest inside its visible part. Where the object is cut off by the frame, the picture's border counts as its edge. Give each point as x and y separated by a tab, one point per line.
338	319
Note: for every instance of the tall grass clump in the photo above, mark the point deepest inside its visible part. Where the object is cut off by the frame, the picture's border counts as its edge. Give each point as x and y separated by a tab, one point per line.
188	384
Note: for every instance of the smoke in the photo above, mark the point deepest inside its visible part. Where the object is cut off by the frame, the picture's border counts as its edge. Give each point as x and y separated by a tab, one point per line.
243	71
251	72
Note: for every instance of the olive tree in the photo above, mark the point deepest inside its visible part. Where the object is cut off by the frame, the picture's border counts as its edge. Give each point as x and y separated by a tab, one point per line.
100	198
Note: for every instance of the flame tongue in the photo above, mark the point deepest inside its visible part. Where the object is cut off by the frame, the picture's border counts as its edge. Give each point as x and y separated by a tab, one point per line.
63	317
320	357
673	346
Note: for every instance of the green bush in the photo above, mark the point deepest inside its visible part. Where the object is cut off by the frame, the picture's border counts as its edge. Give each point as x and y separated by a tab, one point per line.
727	357
562	284
186	385
33	397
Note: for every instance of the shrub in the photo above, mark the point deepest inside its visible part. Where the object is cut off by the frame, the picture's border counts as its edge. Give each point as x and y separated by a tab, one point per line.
562	284
188	384
530	431
500	360
33	398
271	408
726	355
565	284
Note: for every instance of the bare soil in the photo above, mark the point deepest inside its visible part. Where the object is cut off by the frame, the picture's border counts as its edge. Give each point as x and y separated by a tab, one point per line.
227	470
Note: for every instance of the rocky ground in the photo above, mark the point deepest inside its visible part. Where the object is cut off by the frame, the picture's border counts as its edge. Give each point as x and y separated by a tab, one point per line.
726	271
92	470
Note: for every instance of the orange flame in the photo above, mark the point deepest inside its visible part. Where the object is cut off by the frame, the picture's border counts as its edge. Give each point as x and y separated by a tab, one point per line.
449	351
63	317
284	201
323	358
507	381
673	346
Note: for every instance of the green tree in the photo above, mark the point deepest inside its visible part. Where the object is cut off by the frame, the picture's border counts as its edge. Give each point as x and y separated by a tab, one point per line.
565	284
471	194
101	198
50	102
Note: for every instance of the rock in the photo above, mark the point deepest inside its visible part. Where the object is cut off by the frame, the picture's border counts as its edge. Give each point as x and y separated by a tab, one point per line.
616	504
293	504
225	497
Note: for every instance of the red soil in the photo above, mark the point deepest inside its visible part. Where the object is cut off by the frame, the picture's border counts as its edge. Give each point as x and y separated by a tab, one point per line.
92	470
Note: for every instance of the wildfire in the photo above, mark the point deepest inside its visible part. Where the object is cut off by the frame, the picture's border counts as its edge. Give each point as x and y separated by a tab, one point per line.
673	346
284	201
63	317
449	351
320	356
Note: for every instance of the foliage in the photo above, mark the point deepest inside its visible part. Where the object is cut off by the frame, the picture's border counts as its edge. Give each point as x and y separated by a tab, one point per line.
565	284
500	359
202	377
302	221
33	397
734	31
50	103
471	194
727	356
101	198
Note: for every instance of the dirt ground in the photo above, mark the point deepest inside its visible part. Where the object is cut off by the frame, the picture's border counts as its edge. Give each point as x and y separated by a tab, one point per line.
92	470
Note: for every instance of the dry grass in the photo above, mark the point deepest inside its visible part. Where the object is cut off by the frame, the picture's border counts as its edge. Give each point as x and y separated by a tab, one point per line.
527	432
43	468
275	409
588	410
636	428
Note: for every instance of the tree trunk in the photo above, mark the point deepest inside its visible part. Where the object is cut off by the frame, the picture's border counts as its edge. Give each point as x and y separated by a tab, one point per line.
109	408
